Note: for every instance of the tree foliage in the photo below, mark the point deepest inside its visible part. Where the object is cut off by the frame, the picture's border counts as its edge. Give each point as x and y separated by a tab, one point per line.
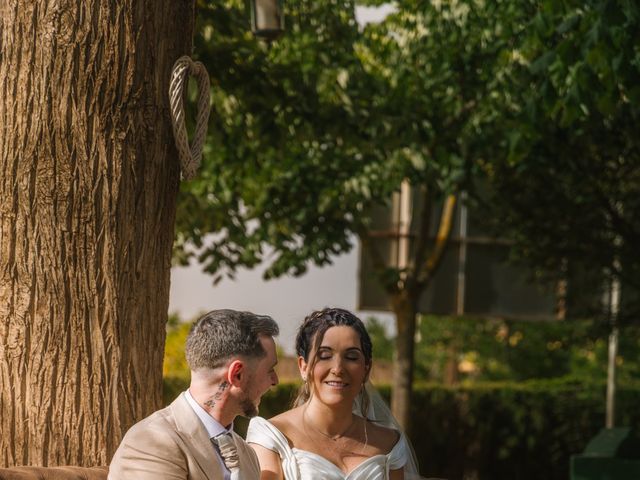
285	142
309	135
565	179
511	350
174	363
382	343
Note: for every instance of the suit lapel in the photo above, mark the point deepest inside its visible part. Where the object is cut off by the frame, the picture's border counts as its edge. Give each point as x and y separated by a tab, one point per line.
249	465
195	435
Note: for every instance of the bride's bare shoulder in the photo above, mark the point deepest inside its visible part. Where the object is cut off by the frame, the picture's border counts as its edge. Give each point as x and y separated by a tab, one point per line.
287	422
383	438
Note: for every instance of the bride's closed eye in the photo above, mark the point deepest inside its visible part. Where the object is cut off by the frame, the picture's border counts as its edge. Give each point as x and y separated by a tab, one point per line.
353	355
325	354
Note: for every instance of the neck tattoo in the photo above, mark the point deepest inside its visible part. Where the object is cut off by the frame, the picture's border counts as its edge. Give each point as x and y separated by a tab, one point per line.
211	402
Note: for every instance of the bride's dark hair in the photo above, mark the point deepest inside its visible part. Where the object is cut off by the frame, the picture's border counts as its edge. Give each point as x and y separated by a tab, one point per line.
309	339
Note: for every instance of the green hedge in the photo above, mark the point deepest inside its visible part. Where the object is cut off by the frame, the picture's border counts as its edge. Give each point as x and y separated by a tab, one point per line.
511	431
514	431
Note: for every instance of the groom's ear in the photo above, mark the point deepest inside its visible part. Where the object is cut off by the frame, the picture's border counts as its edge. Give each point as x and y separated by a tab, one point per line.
236	372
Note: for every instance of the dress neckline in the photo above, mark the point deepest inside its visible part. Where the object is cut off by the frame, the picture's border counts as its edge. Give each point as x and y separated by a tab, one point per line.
285	440
337	468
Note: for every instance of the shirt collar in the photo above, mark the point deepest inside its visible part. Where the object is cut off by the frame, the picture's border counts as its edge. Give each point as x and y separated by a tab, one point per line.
213	427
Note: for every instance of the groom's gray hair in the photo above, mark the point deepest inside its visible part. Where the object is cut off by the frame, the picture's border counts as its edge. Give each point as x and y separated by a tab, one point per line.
222	334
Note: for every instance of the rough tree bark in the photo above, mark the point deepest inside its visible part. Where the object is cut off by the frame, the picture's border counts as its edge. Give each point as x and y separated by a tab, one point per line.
88	190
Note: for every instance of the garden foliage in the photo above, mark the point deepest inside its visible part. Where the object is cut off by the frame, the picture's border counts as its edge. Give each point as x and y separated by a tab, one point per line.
491	431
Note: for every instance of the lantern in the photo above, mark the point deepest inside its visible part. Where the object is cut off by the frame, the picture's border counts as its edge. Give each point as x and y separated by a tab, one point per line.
267	18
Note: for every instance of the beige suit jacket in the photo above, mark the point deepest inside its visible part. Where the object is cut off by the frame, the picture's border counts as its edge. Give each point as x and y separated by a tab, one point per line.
172	443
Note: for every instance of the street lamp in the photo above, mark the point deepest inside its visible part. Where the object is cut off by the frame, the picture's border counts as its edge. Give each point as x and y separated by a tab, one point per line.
267	18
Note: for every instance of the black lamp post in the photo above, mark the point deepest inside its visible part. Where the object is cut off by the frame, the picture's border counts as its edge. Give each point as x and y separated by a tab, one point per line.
267	18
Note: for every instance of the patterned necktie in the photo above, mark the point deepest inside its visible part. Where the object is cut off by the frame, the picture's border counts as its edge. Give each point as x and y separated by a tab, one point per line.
229	453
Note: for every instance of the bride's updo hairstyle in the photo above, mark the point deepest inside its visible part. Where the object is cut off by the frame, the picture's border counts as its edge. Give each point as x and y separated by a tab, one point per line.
309	339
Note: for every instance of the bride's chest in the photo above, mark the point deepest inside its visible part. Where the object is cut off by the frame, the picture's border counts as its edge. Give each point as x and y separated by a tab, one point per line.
312	466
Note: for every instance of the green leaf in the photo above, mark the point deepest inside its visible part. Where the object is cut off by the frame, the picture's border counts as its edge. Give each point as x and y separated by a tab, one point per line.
542	62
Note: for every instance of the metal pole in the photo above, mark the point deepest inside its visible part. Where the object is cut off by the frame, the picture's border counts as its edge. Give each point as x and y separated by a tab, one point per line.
462	256
611	378
613	353
404	227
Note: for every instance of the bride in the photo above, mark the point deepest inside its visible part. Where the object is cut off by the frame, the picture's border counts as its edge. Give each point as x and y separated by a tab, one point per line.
330	433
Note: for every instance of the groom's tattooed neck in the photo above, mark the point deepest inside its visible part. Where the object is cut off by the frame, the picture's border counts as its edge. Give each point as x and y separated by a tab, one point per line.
218	395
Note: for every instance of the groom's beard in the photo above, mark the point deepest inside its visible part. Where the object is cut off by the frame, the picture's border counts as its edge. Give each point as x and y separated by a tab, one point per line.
249	409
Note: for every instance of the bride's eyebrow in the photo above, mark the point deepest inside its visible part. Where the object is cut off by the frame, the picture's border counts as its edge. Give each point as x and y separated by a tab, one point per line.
350	349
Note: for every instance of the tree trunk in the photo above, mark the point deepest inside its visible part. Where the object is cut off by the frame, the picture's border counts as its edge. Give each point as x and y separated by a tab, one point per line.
451	373
405	309
88	191
404	302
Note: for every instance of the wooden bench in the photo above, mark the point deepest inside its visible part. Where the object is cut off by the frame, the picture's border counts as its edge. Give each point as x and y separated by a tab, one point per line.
54	473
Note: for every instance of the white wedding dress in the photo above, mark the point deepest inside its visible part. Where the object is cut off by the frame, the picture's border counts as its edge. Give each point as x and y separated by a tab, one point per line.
303	465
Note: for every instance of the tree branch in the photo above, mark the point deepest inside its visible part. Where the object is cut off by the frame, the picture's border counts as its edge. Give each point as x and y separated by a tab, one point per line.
422	240
442	239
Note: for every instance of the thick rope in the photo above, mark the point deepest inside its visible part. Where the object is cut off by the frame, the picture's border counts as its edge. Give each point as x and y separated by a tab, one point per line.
190	156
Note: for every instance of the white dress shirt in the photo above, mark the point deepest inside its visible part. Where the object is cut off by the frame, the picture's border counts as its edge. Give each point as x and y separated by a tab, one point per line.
213	427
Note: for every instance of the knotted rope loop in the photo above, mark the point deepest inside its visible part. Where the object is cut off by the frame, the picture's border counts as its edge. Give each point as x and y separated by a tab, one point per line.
190	156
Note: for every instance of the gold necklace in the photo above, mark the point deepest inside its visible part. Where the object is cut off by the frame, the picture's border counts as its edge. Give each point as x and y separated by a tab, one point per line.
333	438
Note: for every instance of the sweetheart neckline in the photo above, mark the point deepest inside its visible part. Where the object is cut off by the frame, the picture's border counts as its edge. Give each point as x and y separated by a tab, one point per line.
270	426
329	462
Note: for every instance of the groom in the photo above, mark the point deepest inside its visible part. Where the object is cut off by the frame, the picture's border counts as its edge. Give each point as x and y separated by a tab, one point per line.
232	356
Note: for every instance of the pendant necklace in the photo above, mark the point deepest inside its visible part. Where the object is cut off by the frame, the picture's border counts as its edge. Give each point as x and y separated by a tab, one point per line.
334	438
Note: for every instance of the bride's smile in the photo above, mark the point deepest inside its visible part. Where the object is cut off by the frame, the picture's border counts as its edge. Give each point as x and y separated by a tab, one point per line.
340	369
328	432
337	384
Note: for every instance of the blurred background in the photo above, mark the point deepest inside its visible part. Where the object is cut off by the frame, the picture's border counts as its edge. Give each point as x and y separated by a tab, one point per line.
465	175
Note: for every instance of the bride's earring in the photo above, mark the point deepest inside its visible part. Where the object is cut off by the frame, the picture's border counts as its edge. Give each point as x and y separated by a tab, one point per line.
305	387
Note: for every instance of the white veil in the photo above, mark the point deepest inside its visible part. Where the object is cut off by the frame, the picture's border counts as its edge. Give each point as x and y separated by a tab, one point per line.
380	413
